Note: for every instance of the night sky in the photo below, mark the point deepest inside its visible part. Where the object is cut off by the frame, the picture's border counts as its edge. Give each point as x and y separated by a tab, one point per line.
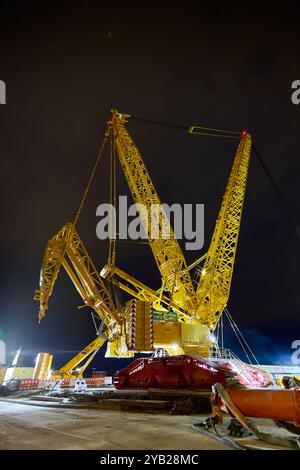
65	66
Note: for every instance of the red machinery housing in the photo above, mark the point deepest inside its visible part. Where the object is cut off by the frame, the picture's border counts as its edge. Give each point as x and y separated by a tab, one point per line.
178	372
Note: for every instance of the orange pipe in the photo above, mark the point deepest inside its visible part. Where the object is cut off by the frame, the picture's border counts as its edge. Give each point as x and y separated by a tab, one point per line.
274	404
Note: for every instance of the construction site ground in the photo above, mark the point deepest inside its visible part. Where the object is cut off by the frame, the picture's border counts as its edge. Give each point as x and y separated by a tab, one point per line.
121	420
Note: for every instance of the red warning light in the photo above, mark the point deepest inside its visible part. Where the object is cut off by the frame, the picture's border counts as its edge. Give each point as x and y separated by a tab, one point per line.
243	133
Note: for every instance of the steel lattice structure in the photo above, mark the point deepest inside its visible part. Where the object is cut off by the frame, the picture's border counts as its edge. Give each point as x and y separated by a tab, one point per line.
214	286
66	249
167	252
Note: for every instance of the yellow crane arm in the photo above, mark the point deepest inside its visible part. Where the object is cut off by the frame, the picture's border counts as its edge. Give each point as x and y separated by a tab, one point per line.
72	369
214	285
66	249
141	291
166	250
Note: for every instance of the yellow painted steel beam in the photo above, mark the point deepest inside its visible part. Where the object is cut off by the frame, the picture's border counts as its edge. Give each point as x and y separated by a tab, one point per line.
196	262
67	250
72	369
215	281
167	252
141	291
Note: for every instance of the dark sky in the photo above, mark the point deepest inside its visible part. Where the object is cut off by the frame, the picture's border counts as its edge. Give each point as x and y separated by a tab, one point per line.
66	64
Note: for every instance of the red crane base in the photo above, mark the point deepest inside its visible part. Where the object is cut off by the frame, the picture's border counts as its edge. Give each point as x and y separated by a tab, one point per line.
186	372
172	372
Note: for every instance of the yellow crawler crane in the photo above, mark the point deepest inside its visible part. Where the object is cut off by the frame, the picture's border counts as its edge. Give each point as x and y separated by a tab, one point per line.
198	311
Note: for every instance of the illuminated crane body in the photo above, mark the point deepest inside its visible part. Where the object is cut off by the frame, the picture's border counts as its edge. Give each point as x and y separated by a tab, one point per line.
143	324
167	252
198	310
214	285
66	250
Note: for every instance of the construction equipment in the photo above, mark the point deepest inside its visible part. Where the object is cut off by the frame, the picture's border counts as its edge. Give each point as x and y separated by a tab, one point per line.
42	367
167	252
189	372
73	369
177	318
283	406
215	281
198	311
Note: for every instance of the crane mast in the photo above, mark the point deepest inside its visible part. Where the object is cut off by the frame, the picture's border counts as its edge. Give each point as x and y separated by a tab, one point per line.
166	250
215	280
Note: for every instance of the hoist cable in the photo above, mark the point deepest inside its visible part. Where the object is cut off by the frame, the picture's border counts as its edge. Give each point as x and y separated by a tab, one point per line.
190	129
114	198
242	336
222	333
110	196
236	333
216	135
112	201
215	132
288	212
90	181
